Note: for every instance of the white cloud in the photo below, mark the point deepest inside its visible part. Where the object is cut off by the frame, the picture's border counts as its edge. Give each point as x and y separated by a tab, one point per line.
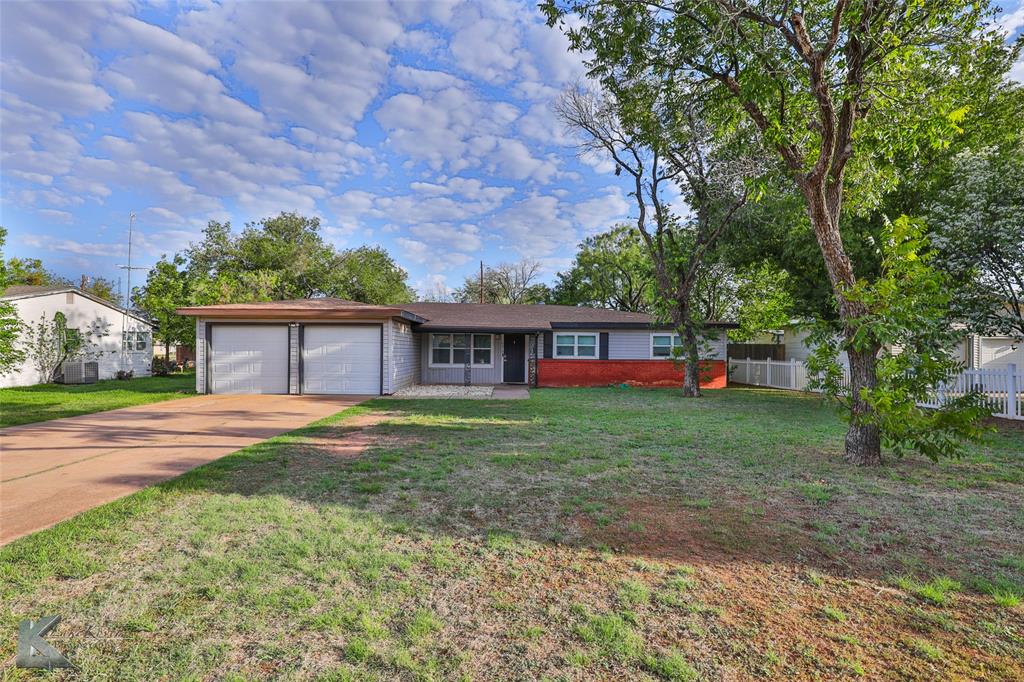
46	58
59	216
315	65
424	254
425	125
73	246
1011	22
600	213
535	226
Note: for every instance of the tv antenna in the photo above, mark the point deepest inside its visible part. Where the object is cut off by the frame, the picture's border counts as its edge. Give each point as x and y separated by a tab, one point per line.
128	293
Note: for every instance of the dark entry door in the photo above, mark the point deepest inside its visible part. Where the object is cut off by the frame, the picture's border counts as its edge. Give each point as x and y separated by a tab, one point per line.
515	358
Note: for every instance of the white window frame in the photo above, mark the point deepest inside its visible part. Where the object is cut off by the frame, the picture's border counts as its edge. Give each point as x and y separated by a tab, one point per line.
677	342
131	338
576	346
469	349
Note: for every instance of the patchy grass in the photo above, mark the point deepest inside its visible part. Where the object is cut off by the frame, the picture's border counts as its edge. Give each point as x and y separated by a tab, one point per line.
28	404
602	533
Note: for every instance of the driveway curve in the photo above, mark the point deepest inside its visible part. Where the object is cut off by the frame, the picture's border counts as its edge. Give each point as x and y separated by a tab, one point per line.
51	471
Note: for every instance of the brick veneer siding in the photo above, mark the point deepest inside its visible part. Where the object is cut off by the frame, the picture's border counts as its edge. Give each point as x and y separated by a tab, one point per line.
551	373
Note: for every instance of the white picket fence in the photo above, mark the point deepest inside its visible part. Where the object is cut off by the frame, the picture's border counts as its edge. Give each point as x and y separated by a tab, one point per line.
1002	388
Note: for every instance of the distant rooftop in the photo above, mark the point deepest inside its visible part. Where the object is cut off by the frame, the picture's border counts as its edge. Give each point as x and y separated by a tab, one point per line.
35	289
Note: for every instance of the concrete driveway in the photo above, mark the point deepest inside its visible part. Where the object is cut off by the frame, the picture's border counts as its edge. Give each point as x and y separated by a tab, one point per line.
53	470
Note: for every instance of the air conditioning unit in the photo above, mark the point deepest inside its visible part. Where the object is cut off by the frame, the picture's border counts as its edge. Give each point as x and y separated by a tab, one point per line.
79	373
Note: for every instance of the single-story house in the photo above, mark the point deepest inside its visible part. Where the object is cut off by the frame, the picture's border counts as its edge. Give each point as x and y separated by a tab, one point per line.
125	345
332	346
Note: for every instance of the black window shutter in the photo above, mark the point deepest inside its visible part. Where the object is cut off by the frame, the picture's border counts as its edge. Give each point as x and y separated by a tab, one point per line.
548	344
604	346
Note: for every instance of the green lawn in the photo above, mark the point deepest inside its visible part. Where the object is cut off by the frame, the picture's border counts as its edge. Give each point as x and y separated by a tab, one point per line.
27	404
582	534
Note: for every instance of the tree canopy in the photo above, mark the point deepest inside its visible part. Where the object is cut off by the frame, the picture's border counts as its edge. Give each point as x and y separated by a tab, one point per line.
839	90
611	270
286	257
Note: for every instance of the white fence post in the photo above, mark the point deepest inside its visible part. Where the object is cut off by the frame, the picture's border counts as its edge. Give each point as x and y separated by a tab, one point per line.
1012	389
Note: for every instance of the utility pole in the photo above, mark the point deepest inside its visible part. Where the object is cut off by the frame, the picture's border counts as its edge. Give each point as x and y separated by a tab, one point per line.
481	281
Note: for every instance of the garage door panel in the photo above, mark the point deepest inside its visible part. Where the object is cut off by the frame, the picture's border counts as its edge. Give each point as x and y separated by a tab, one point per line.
249	359
342	359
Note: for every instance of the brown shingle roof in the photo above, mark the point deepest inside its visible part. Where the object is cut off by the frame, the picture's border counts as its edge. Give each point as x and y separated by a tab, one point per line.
471	316
300	308
440	316
34	289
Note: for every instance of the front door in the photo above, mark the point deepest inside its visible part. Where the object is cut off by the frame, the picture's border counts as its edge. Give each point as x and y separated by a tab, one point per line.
515	358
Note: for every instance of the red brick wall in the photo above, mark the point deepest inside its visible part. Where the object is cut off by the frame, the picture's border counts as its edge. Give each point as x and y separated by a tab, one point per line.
633	372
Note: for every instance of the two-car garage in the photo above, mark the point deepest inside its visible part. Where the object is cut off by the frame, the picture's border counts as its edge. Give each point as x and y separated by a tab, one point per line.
333	359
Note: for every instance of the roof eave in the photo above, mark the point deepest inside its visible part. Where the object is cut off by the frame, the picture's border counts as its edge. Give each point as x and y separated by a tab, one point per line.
470	329
83	294
299	313
633	325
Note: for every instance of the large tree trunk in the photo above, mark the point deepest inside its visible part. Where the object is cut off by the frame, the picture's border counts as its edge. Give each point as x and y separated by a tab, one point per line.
863	441
691	373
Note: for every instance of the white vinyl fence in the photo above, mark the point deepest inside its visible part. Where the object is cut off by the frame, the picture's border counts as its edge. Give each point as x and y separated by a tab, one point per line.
1003	388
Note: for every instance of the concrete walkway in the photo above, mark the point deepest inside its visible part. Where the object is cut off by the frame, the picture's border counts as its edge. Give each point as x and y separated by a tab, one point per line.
53	470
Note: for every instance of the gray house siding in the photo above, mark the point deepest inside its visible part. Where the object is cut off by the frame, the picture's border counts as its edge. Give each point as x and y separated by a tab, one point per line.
456	375
405	356
635	344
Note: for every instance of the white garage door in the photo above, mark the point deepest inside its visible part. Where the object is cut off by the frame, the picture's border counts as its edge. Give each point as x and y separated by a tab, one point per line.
249	359
341	359
998	353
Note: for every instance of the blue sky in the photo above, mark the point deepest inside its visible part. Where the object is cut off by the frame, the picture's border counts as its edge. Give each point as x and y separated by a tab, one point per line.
425	127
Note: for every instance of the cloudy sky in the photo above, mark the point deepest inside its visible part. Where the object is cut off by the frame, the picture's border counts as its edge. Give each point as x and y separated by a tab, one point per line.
424	127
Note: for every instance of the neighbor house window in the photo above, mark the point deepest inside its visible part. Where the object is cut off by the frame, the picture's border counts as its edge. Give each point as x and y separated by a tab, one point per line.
451	349
135	340
575	345
662	345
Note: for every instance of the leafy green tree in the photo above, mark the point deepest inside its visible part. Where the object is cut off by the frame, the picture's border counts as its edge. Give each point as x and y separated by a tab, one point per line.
978	223
11	352
369	274
611	270
30	272
285	257
904	310
167	288
838	90
765	301
101	287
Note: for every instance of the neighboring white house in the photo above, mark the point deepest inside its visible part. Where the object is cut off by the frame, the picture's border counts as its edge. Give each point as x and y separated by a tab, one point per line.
976	352
991	352
127	344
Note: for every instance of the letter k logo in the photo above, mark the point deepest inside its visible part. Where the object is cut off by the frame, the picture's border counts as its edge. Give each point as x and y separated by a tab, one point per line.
33	651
